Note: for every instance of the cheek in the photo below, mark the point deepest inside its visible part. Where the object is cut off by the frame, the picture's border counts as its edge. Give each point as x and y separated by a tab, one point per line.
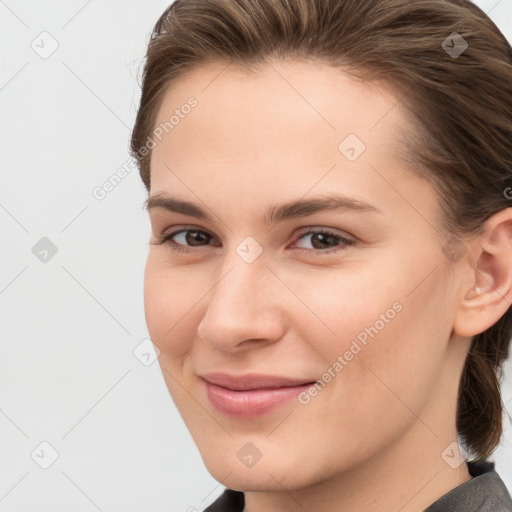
389	328
339	305
170	302
172	305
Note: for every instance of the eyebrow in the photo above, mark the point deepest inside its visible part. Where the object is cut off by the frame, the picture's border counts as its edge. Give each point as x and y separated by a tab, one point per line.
277	213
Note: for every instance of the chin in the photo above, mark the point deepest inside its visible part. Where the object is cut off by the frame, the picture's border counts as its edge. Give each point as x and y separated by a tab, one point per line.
277	472
256	480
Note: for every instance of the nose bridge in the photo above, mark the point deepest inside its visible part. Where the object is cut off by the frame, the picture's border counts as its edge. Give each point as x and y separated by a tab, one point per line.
242	304
244	282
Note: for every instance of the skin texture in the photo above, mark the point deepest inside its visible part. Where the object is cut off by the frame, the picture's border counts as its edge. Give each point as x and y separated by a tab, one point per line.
373	438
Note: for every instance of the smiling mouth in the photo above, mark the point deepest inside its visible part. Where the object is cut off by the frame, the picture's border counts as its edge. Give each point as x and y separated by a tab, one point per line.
250	403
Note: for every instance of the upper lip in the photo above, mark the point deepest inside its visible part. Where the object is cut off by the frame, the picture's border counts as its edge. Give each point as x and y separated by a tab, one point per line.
252	381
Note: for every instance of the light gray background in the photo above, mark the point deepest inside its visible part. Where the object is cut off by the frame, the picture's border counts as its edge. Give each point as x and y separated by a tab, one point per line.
69	326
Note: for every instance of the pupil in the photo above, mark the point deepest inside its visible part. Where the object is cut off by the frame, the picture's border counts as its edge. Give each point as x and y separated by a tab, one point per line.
195	236
322	237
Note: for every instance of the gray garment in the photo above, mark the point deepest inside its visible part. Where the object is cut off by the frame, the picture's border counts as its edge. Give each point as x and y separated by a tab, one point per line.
485	492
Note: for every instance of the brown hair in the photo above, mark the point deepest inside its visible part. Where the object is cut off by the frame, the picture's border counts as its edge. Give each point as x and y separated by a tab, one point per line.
460	103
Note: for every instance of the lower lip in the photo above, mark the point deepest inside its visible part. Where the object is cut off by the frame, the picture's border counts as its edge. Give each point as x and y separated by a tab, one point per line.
251	403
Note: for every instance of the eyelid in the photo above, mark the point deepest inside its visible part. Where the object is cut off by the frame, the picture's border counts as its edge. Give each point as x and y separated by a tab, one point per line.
185	227
346	240
323	229
302	231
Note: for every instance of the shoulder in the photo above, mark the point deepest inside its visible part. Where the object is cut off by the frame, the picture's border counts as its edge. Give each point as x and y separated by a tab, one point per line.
485	492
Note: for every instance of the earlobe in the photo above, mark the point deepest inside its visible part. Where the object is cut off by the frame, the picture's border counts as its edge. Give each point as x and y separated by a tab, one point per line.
489	294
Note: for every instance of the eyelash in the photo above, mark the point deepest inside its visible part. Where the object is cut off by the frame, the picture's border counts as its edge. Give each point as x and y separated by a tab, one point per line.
173	246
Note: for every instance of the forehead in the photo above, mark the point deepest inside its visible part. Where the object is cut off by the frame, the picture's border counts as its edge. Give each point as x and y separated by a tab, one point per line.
277	103
289	94
285	123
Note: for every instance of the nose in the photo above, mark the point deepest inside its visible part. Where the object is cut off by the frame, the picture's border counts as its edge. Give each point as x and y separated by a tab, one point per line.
245	307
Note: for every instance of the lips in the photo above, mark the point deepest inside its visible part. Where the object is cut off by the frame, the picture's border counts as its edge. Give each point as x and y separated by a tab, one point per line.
253	381
251	395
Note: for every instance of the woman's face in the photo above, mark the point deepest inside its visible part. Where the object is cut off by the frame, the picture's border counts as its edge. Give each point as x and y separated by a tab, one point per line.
360	298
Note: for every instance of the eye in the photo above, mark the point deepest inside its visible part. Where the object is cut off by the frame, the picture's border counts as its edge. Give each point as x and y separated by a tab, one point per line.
322	239
184	240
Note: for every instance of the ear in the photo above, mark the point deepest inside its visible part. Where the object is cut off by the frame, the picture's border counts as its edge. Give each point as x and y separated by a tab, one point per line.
487	294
